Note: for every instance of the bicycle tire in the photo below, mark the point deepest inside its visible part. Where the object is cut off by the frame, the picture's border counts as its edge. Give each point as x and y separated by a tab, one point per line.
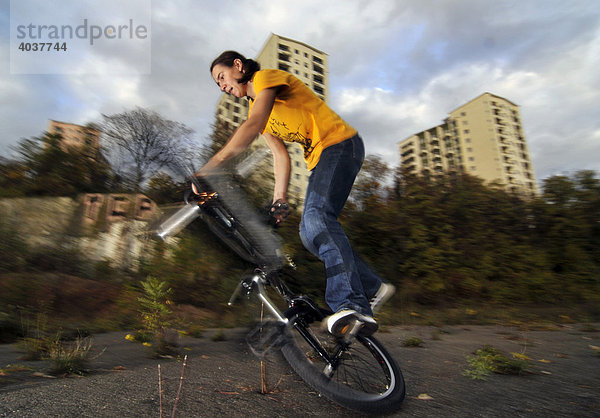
247	235
233	239
367	380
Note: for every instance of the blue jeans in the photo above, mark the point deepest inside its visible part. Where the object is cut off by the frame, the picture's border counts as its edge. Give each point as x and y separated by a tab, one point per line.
350	282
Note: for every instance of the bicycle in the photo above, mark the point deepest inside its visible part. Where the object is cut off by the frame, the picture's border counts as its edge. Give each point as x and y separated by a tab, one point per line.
356	372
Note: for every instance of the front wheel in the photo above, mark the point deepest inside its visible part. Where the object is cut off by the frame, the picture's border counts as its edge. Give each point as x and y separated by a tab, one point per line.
366	378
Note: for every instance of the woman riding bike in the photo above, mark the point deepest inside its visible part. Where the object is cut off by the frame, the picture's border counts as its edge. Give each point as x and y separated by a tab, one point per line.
283	108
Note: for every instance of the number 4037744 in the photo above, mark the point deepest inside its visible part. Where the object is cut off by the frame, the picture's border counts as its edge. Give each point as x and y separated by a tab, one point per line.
43	46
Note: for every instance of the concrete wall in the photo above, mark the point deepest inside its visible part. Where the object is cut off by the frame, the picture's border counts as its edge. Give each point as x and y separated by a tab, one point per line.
112	227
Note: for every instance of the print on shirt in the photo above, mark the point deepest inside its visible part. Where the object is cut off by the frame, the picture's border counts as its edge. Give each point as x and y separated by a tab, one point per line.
281	130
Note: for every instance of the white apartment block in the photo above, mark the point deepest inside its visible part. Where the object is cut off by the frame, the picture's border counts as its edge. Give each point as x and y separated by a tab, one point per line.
483	138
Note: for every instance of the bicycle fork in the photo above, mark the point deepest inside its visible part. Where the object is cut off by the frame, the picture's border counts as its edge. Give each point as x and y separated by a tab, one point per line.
255	283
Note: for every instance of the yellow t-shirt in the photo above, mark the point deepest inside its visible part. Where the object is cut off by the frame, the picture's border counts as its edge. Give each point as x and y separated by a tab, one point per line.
299	115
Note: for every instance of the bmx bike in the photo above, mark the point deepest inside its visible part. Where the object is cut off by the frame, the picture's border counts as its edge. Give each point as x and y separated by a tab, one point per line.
355	371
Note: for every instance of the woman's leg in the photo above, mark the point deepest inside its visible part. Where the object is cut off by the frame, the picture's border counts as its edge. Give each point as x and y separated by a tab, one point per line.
349	280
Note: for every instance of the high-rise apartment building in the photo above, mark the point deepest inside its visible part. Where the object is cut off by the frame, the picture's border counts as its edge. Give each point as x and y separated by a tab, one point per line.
75	136
310	66
483	138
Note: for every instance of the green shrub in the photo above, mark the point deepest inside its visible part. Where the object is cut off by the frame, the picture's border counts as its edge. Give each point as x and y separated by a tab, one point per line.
412	342
488	359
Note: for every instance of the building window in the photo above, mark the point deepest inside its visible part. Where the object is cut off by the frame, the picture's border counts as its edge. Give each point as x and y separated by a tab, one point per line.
471	158
318	69
463	113
284	57
318	60
283	47
318	89
466	131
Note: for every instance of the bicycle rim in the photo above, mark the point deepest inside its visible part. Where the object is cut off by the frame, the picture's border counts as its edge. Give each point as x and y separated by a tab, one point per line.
366	378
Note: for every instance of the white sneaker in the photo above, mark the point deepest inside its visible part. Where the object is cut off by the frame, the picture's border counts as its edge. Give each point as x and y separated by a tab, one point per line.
343	321
384	293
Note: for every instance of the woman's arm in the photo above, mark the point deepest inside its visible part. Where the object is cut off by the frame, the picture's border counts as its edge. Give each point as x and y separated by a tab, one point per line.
281	166
246	133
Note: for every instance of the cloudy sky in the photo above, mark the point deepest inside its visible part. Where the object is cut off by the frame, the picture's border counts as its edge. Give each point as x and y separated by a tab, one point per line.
396	67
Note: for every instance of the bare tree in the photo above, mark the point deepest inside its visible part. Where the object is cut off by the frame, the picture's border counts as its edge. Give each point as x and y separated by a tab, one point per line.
145	142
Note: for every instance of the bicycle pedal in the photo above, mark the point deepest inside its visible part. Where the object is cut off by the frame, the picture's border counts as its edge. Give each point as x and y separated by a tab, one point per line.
265	337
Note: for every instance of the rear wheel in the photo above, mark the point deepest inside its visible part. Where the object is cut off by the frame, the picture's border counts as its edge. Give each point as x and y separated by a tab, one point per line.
366	378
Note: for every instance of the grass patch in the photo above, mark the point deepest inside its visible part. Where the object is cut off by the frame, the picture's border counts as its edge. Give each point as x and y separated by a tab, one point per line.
488	360
195	331
66	356
589	328
14	368
412	342
219	336
70	357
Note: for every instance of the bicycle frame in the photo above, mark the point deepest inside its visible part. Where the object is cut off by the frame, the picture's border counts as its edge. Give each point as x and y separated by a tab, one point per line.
301	310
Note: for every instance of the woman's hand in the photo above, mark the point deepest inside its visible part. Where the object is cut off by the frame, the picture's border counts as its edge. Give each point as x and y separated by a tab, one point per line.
279	211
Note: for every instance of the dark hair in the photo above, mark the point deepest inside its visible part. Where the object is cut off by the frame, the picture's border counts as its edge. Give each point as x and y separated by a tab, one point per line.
249	66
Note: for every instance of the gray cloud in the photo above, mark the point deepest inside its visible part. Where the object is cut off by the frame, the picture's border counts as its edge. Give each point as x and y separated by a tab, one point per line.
396	67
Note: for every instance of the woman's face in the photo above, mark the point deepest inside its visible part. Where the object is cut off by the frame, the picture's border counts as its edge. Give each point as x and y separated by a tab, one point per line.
227	78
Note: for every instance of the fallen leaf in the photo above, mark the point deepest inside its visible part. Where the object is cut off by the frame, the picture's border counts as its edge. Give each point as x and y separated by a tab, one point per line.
544	361
47	376
594	347
228	393
204	357
424	397
521	356
545	372
561	355
119	368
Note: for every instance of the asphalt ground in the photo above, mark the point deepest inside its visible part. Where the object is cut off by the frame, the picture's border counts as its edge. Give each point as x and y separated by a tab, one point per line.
223	378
